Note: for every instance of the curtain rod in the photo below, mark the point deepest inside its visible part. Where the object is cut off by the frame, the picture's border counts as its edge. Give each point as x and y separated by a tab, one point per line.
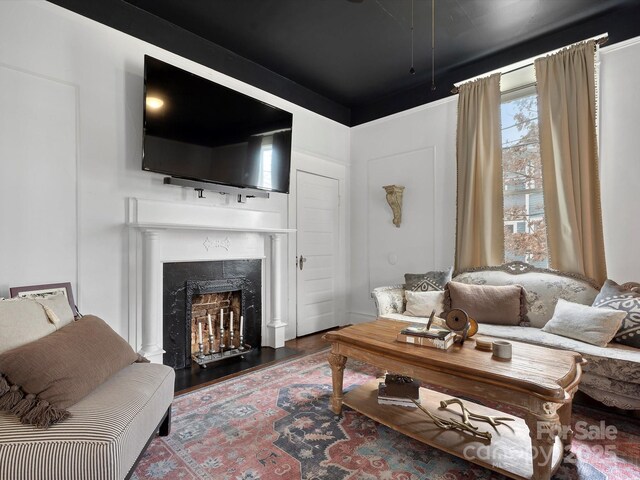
600	40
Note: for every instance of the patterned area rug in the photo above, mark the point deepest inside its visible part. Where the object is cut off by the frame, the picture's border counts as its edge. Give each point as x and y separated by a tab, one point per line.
275	424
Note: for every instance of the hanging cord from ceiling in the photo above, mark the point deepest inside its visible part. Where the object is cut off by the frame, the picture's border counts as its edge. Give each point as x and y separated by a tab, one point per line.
412	70
433	44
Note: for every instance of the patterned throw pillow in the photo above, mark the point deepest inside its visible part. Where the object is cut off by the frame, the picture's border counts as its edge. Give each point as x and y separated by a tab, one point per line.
613	296
424	282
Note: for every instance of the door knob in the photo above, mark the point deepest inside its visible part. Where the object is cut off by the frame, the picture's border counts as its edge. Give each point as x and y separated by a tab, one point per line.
301	262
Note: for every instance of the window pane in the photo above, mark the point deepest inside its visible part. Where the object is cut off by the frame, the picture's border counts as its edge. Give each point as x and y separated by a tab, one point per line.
525	229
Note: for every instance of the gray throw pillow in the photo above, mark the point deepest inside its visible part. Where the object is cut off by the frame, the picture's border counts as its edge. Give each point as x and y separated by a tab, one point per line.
613	296
424	282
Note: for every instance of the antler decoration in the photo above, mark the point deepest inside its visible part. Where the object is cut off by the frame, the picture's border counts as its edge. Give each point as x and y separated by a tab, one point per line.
465	426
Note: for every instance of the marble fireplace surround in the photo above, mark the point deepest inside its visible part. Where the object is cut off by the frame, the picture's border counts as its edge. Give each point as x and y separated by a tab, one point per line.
166	232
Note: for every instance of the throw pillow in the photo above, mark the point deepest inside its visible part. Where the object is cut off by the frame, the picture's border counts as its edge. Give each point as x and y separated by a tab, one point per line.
57	309
593	325
40	380
613	296
22	320
499	305
424	282
421	304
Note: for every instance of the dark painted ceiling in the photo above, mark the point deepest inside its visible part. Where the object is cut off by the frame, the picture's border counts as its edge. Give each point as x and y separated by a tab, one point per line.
350	59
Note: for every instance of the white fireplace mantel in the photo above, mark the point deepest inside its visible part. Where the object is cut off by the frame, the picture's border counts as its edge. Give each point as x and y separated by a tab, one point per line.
160	228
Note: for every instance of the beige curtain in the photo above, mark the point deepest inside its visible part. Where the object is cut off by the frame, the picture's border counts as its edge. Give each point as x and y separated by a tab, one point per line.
480	224
569	153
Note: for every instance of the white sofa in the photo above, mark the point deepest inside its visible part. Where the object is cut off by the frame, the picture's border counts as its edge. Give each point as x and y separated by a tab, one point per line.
612	374
107	431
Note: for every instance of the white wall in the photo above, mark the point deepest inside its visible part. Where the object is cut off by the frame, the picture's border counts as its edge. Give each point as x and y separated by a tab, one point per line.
620	158
379	149
104	68
416	149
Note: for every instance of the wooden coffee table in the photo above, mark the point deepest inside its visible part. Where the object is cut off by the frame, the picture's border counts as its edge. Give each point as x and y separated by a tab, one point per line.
540	382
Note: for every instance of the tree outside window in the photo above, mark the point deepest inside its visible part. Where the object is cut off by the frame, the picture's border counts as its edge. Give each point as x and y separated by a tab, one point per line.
525	235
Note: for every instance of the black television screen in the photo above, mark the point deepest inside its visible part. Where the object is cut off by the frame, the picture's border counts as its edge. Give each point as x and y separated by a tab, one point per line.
199	130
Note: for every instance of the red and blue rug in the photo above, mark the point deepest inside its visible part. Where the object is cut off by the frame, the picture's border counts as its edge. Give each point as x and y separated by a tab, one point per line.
275	424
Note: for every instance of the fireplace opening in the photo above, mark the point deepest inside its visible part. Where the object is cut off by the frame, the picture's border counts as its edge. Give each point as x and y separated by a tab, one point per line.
194	290
214	316
216	327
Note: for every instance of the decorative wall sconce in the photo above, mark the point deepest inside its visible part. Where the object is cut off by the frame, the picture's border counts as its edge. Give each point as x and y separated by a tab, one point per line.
394	199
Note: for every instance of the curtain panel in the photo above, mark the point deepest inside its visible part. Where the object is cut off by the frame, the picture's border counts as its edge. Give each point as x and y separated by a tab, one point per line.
480	224
569	153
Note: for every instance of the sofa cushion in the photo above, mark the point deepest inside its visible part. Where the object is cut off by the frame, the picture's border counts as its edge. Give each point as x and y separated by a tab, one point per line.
614	296
421	304
103	437
616	361
502	305
79	357
423	282
596	326
22	320
542	290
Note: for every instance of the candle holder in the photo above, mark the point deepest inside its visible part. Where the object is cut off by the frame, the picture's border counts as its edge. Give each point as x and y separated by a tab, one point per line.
231	337
222	345
241	346
211	342
201	350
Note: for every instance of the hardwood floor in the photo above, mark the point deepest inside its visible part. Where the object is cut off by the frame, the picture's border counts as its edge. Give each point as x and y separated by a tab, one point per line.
189	379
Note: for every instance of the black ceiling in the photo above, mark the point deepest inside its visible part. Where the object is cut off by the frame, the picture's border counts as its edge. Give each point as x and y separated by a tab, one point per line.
349	60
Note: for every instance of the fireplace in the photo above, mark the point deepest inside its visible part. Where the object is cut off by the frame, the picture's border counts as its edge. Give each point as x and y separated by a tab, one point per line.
170	243
194	290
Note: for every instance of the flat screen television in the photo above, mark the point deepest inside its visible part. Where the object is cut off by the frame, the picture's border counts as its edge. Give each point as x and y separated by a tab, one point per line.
196	129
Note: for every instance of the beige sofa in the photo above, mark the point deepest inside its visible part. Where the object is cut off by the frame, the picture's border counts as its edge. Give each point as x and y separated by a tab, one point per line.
107	430
612	374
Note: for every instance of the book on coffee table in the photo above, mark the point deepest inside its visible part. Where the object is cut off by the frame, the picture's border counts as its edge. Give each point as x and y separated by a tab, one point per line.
401	386
420	330
442	343
384	398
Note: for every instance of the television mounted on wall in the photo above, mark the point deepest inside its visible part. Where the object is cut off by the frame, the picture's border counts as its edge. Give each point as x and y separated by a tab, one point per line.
198	130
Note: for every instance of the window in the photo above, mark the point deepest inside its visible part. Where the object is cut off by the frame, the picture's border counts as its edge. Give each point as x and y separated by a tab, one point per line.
266	160
525	236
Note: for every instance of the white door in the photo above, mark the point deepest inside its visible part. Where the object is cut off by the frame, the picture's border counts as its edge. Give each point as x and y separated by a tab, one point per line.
318	229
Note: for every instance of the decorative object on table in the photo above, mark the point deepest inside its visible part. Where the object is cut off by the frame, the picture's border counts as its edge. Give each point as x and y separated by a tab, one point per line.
425	282
458	321
394	199
465	426
427	335
40	292
442	344
501	349
625	298
401	386
500	305
422	330
431	317
224	350
386	398
484	344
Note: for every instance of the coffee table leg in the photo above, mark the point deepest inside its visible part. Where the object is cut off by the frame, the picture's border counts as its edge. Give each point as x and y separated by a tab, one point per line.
543	429
565	420
337	363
